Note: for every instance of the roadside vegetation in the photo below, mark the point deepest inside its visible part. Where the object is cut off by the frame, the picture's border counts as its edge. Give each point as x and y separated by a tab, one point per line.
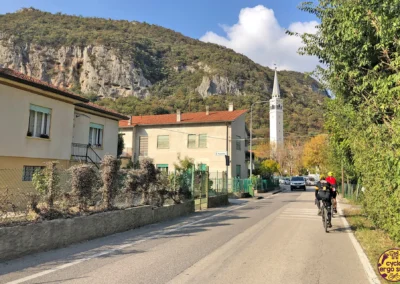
358	44
83	189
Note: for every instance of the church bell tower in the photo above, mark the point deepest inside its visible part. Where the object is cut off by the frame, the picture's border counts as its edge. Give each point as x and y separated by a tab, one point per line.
276	115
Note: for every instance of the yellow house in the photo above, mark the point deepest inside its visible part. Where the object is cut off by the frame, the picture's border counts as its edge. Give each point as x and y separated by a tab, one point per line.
40	122
207	137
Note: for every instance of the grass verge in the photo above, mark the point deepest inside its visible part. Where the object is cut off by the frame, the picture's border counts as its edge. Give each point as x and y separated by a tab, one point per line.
373	240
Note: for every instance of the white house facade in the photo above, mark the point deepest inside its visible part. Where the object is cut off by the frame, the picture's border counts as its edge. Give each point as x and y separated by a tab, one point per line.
40	122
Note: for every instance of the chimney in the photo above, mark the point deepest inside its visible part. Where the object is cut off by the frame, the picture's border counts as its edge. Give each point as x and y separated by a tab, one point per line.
130	120
178	115
230	106
207	110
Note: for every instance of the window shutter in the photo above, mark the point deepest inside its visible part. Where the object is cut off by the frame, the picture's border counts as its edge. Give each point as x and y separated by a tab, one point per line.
203	141
97	126
40	109
191	141
163	141
143	146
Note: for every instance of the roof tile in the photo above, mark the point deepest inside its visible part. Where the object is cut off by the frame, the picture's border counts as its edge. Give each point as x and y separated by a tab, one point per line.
186	118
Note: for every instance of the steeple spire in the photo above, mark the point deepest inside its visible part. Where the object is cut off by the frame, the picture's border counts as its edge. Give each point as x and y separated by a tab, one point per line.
276	92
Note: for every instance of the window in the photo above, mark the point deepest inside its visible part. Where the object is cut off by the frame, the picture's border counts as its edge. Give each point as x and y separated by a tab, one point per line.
163	142
143	146
96	135
203	141
39	122
238	143
29	171
192	140
163	168
238	171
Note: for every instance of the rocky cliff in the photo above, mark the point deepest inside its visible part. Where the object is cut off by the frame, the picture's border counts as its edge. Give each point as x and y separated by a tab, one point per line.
91	69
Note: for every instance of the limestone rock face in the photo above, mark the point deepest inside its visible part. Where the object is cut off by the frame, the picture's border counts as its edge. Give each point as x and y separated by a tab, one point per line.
90	69
217	85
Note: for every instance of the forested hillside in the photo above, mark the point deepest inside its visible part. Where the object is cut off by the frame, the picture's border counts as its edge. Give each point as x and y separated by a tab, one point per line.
137	68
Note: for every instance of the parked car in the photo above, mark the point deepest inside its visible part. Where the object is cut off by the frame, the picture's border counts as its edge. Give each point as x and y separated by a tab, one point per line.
310	181
287	181
281	181
297	183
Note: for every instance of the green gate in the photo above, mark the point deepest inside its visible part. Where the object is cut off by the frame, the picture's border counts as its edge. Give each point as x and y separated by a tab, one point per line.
200	180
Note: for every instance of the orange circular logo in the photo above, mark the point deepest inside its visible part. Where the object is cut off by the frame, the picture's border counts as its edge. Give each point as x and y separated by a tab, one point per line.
389	265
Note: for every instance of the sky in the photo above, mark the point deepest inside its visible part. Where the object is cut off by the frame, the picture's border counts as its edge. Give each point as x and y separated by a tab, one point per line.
253	28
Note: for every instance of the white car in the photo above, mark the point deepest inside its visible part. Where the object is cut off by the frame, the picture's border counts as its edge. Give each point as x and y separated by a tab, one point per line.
297	182
310	181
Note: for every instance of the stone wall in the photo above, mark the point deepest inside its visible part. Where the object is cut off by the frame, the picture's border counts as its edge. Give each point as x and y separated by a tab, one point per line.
22	240
217	201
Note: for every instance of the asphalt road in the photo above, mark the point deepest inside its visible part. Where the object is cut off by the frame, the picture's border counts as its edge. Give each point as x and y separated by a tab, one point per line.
278	239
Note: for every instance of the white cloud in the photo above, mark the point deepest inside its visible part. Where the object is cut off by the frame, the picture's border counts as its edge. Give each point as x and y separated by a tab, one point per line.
259	36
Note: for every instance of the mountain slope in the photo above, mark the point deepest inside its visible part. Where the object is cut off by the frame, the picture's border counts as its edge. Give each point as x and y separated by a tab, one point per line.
149	69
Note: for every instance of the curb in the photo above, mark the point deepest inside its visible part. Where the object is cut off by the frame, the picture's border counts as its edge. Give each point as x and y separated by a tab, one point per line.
373	279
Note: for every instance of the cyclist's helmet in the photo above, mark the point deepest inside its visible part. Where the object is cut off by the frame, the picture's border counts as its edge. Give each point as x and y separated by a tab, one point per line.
330	174
321	176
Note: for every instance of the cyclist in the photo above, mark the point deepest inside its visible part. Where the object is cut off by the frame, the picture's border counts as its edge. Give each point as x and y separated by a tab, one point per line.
332	181
323	185
317	198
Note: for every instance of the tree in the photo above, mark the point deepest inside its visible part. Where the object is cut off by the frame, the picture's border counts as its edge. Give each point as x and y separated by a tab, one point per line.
263	151
269	167
358	43
315	153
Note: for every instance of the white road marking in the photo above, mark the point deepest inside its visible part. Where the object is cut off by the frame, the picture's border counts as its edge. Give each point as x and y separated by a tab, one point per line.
162	233
373	279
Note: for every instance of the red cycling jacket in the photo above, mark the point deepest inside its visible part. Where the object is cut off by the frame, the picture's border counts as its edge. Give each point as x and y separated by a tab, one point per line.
331	180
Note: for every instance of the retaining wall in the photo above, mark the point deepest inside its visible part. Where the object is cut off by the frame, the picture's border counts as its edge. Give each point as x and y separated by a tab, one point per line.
22	240
217	201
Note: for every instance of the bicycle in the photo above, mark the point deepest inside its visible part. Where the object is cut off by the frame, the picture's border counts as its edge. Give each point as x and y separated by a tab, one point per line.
326	219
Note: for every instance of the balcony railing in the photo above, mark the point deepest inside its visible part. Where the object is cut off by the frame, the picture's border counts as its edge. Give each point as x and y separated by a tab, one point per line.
85	153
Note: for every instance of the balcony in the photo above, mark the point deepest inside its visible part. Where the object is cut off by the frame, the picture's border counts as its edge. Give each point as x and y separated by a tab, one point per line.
85	153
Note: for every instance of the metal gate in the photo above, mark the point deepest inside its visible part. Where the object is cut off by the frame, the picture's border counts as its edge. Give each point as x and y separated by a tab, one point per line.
200	186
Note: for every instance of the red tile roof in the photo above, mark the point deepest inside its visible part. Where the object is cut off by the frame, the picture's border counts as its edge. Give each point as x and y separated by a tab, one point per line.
194	117
25	79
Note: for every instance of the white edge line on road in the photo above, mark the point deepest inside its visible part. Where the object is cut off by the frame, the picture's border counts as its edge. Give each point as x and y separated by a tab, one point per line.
361	254
163	232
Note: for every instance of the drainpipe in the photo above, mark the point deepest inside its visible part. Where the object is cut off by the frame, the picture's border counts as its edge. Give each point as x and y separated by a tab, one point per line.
227	131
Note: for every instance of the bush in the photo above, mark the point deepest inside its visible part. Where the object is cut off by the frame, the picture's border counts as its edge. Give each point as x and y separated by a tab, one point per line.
46	182
109	176
84	181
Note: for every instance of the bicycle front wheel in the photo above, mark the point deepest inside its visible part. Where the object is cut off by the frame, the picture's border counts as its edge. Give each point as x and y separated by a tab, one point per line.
326	221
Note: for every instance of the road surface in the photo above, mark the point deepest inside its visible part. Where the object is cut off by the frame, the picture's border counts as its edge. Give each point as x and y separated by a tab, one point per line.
278	239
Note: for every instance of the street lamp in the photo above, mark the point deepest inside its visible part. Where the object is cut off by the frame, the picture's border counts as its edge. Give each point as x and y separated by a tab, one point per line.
251	134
